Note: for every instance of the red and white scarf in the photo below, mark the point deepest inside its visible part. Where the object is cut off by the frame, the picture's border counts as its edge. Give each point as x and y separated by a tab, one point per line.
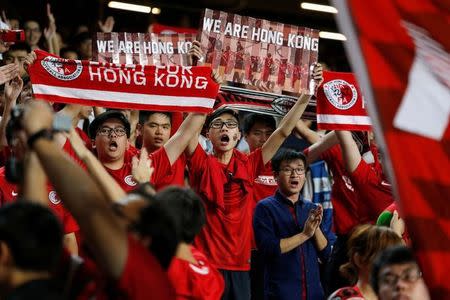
340	104
163	88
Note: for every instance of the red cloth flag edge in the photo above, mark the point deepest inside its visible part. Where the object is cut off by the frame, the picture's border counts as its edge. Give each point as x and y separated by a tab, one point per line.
384	57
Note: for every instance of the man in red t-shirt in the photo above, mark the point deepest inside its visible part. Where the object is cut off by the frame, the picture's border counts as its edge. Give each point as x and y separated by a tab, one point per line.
155	129
110	132
225	181
375	194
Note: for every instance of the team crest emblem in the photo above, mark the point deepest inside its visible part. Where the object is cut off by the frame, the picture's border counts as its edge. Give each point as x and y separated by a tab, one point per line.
129	180
59	69
53	197
340	93
282	105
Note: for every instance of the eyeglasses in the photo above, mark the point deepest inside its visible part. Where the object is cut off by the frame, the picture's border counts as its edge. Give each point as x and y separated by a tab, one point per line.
410	276
290	171
219	124
106	131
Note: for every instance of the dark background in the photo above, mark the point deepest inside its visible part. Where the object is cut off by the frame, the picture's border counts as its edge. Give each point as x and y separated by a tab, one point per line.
70	14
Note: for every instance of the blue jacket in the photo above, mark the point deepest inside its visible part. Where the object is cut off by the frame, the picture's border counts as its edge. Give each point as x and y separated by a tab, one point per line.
283	273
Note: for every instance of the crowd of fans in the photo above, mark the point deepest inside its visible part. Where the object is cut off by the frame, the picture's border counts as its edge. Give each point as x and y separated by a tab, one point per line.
157	205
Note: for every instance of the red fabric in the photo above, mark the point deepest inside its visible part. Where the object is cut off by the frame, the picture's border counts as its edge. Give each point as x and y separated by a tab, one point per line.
171	88
227	192
340	103
343	196
84	137
195	281
143	275
164	29
161	164
9	193
265	184
347	293
375	194
177	119
403	72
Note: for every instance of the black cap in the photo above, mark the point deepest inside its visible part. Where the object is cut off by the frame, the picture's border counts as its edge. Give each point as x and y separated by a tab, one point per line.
221	111
101	118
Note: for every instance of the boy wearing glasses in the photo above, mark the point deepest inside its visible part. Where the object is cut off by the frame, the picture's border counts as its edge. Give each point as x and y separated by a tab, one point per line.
288	234
110	132
396	275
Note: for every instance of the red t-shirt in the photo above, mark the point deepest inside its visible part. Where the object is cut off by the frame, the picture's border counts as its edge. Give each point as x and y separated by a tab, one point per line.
9	193
143	276
160	162
374	193
343	196
227	192
195	281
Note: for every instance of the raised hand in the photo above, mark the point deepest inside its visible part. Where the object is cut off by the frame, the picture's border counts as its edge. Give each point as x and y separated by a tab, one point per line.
13	88
8	72
50	31
108	25
195	53
142	169
317	78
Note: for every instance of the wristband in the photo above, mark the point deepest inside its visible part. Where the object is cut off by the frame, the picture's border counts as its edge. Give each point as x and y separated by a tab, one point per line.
43	133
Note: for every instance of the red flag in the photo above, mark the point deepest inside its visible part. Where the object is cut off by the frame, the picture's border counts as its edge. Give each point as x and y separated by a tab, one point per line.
162	88
340	104
400	53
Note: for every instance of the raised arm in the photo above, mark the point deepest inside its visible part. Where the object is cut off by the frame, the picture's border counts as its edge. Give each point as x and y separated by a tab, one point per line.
350	152
289	121
86	202
185	137
325	143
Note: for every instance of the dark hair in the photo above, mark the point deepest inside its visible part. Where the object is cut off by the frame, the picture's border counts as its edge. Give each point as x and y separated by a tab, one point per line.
17	47
251	119
103	117
284	154
391	256
368	241
33	234
186	208
144	115
156	222
217	113
67	49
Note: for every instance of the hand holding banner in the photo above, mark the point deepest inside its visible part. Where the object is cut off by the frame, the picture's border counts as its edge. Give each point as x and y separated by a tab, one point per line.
171	88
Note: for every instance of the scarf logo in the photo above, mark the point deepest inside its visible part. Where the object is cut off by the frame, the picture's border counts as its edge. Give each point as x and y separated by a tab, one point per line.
129	180
340	93
62	69
282	105
53	197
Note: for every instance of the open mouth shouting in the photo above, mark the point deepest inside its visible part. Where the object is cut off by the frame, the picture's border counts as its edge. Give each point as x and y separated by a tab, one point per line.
294	183
113	146
224	139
